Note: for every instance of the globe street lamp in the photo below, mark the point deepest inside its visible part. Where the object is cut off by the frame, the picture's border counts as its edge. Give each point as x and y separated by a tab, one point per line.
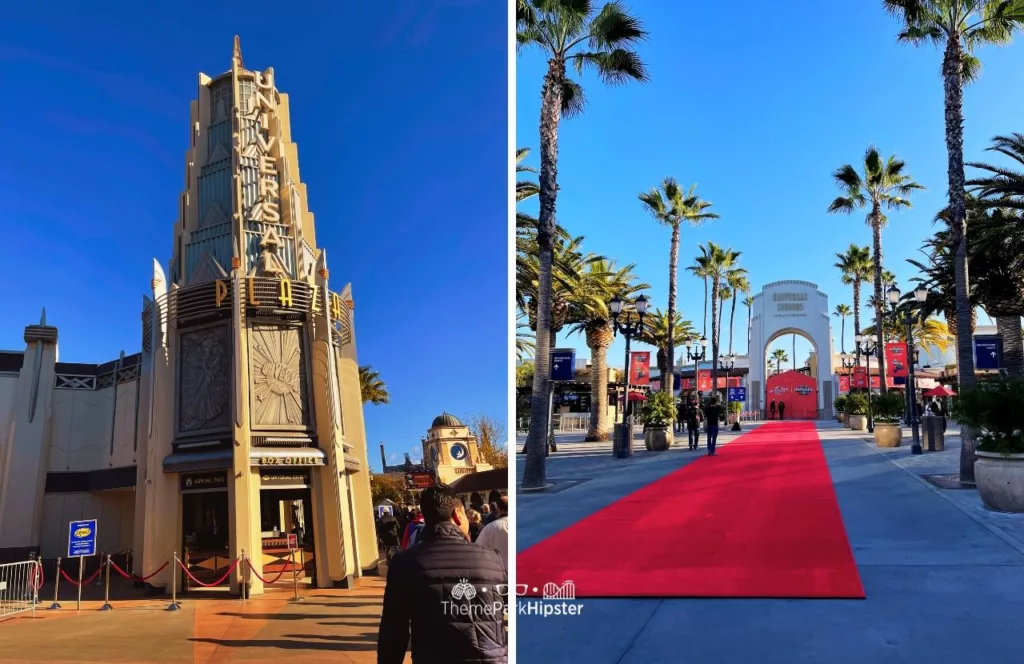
623	446
728	362
696	355
848	362
913	315
867	346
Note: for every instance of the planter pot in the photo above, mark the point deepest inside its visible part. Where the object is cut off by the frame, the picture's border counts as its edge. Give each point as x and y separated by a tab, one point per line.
842	417
1000	480
857	422
658	439
888	435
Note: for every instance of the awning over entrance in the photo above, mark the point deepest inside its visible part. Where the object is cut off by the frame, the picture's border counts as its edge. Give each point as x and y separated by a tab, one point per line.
287	456
187	462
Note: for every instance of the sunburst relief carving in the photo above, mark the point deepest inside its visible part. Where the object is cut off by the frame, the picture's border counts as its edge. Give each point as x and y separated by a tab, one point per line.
278	393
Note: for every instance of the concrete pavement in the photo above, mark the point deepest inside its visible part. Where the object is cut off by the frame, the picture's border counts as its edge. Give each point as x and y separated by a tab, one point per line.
944	577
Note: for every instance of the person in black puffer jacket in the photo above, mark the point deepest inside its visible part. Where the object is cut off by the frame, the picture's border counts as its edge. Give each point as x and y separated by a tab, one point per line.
446	591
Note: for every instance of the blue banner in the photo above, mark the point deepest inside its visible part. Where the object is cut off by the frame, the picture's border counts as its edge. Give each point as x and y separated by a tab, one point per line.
988	352
82	538
738	394
563	364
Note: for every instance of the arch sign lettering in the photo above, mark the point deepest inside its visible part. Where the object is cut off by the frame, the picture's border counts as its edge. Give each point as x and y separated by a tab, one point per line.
784	308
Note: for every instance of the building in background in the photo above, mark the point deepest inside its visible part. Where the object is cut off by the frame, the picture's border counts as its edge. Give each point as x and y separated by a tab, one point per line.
241	419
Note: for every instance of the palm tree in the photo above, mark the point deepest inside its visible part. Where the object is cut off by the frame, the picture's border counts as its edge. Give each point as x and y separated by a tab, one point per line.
599	283
655	333
939	278
856	268
997	263
671	206
524	340
843	311
570	33
960	26
1004	186
930	333
740	285
779	356
883	185
718	263
371	387
699	270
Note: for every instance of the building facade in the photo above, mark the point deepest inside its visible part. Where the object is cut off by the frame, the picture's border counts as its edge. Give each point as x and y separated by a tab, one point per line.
241	420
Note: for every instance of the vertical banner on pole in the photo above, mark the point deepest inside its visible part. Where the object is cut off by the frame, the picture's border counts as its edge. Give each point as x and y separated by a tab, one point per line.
640	368
896	359
844	384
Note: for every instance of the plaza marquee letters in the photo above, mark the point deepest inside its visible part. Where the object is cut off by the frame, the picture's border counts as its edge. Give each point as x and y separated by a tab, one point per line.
284	296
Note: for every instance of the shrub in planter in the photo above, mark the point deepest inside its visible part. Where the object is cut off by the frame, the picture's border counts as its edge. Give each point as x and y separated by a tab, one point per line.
857	411
735	408
995	410
658	415
840	406
886	410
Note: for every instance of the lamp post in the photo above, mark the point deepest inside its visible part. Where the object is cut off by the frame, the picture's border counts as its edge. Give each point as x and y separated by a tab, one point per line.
623	446
867	346
728	362
912	315
696	355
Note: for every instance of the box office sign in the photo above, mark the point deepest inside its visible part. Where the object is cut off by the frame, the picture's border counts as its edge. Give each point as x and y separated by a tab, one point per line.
199	481
289	460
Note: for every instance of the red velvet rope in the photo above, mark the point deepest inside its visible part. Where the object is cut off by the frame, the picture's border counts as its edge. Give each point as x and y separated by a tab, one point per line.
138	578
276	578
84	583
215	583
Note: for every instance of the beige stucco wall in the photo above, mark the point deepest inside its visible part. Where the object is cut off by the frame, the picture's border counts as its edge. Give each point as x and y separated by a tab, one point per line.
8	391
115	511
80	427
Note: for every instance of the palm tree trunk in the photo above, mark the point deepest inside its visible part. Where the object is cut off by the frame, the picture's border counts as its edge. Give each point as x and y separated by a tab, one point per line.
876	237
1013	346
794	352
535	470
704	333
673	263
842	335
715	286
953	93
598	429
856	315
732	319
721	318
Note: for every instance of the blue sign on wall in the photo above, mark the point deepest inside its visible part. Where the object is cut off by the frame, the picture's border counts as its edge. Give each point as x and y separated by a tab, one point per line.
82	538
988	352
563	364
738	394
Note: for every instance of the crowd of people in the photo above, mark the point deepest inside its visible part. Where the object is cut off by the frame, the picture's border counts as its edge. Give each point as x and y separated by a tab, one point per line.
447	582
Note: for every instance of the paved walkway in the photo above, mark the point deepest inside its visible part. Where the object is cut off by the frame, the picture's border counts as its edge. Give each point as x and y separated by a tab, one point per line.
944	577
327	625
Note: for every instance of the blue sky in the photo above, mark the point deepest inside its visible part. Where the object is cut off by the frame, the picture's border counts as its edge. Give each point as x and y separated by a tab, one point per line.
758	107
400	114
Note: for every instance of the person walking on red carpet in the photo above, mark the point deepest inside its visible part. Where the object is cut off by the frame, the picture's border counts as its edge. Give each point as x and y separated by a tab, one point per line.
782	410
772	409
713	414
692	416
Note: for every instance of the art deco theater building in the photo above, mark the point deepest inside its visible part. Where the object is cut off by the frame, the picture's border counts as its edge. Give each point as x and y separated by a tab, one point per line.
241	419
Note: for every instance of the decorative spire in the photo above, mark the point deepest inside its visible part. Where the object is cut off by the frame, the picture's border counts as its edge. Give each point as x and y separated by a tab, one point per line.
236	54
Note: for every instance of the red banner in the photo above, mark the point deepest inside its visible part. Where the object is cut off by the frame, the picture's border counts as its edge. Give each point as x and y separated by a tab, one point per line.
704	380
896	359
640	368
844	384
860	378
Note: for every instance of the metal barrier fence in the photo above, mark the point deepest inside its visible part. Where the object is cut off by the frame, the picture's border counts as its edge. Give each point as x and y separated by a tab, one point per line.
19	587
562	423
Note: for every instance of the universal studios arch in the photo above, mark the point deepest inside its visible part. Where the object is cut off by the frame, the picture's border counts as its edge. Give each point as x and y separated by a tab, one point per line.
785	308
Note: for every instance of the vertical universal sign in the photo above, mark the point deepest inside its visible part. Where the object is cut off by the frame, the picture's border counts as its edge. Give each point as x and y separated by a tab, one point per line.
264	104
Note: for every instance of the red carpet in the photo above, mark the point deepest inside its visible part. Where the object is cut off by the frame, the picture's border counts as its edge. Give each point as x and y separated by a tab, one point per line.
760	519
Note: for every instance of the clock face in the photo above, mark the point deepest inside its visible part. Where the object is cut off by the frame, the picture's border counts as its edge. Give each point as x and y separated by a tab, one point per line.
433	455
458	452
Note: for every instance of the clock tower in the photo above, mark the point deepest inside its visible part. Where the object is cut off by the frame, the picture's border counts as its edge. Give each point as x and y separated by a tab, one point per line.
451	450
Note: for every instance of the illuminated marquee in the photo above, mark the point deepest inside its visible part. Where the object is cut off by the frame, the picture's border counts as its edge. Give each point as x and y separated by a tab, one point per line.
264	105
284	296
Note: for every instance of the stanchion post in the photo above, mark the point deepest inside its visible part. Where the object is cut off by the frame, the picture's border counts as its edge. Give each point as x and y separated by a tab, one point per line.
56	586
39	576
241	581
295	580
174	583
81	568
106	589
